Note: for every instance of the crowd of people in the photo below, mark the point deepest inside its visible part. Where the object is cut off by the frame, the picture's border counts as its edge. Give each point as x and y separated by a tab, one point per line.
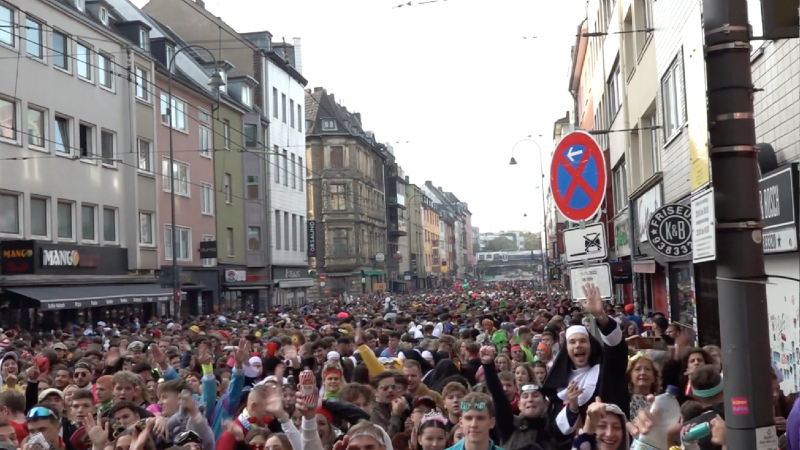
495	366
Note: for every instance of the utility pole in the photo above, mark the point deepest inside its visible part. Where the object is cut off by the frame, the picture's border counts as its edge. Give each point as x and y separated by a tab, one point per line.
741	280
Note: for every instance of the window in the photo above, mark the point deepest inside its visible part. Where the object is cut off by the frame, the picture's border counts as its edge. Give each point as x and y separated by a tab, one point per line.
276	155
291	113
80	4
226	134
338	198
277	230
86	140
146	228
254	238
183	243
285	168
206	199
34	43
230	248
40	217
294	232
10	214
62	135
178	113
247	95
252	186
83	61
89	223
328	125
208	262
227	186
7	26
340	242
619	188
300	172
283	107
286	230
275	102
652	142
203	116
168	53
294	171
104	16
66	221
299	118
205	141
672	98
644	20
337	157
105	74
60	48
142	80
614	92
8	119
145	155
250	135
180	172
109	225
144	41
302	228
36	124
108	147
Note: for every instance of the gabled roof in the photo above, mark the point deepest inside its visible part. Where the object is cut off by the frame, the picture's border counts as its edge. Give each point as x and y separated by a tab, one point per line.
321	105
178	73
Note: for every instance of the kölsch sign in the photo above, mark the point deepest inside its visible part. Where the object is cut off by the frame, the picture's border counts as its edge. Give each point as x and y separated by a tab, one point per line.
776	196
670	230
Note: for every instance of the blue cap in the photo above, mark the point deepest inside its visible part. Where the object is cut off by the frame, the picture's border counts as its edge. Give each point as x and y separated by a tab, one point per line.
673	391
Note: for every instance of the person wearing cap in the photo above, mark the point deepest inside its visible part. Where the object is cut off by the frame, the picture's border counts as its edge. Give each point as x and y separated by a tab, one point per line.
630	314
532	424
587	369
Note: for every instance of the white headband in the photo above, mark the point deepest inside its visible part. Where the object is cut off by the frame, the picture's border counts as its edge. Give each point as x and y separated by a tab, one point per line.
576	329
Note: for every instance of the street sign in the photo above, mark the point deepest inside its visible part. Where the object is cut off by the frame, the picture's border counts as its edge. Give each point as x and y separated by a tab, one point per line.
598	274
670	230
578	176
586	243
704	227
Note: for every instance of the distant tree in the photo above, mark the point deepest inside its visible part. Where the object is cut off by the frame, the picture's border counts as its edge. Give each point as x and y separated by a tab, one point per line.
500	244
531	241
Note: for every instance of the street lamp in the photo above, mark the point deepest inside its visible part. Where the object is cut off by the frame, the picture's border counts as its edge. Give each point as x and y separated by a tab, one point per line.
215	82
545	257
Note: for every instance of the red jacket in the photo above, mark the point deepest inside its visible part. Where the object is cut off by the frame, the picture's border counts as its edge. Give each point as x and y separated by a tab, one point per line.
227	441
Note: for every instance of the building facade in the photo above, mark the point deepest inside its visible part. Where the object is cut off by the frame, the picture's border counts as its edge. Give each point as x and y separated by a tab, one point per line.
430	215
417	242
347	200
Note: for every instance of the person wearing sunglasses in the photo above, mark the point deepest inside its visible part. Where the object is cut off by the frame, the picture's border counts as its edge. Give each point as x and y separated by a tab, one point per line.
387	410
45	420
477	421
82	375
190	440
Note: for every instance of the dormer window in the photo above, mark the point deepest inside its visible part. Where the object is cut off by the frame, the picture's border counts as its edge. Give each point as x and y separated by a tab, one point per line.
247	95
144	39
328	125
80	4
104	16
168	52
346	124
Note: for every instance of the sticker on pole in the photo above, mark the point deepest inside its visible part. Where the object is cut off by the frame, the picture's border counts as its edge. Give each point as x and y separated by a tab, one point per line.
598	274
578	176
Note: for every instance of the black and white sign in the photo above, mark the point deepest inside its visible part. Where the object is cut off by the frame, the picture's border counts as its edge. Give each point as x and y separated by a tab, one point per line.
670	230
704	227
311	238
587	243
94	303
780	240
599	275
776	195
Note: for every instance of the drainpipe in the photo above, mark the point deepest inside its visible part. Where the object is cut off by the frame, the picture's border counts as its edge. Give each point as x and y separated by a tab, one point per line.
268	210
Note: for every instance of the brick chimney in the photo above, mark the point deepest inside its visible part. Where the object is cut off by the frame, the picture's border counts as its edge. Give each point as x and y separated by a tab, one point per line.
318	89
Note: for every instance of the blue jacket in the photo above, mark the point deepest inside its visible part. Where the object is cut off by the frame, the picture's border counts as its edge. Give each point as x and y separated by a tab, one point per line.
460	446
226	406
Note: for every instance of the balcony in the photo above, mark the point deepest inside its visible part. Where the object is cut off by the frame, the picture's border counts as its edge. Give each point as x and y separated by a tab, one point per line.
398	229
398	201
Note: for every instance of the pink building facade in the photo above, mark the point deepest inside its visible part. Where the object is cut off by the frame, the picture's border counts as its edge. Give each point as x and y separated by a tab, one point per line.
192	142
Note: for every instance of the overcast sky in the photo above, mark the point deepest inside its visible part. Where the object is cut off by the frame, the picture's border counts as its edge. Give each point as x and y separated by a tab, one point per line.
453	82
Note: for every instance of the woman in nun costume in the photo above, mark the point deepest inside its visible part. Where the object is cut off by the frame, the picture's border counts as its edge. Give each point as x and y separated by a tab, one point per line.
588	369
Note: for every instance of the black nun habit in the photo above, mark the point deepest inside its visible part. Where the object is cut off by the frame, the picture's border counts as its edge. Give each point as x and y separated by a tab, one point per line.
603	376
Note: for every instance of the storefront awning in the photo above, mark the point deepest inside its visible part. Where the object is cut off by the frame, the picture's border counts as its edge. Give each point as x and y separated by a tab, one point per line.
283	284
244	286
53	298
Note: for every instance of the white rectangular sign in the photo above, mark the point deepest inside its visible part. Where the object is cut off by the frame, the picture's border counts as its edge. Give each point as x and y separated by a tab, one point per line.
598	274
704	227
782	240
587	243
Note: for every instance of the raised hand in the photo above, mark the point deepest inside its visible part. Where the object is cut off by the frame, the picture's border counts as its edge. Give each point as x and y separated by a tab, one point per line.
274	403
573	392
242	353
593	304
594	414
203	355
158	356
97	434
487	354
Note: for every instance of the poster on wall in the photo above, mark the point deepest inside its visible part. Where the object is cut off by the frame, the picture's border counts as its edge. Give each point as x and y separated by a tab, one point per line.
783	306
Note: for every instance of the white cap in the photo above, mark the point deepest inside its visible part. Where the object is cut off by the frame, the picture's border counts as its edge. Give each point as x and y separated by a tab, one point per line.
333	355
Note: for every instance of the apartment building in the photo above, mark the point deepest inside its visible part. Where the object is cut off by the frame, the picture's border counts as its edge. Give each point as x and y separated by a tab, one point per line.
417	255
70	188
397	223
347	200
433	272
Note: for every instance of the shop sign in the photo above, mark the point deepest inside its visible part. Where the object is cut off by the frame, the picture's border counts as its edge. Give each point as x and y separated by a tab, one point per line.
208	249
289	274
646	205
621	272
16	257
232	276
704	227
777	199
311	238
670	230
76	304
621	245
